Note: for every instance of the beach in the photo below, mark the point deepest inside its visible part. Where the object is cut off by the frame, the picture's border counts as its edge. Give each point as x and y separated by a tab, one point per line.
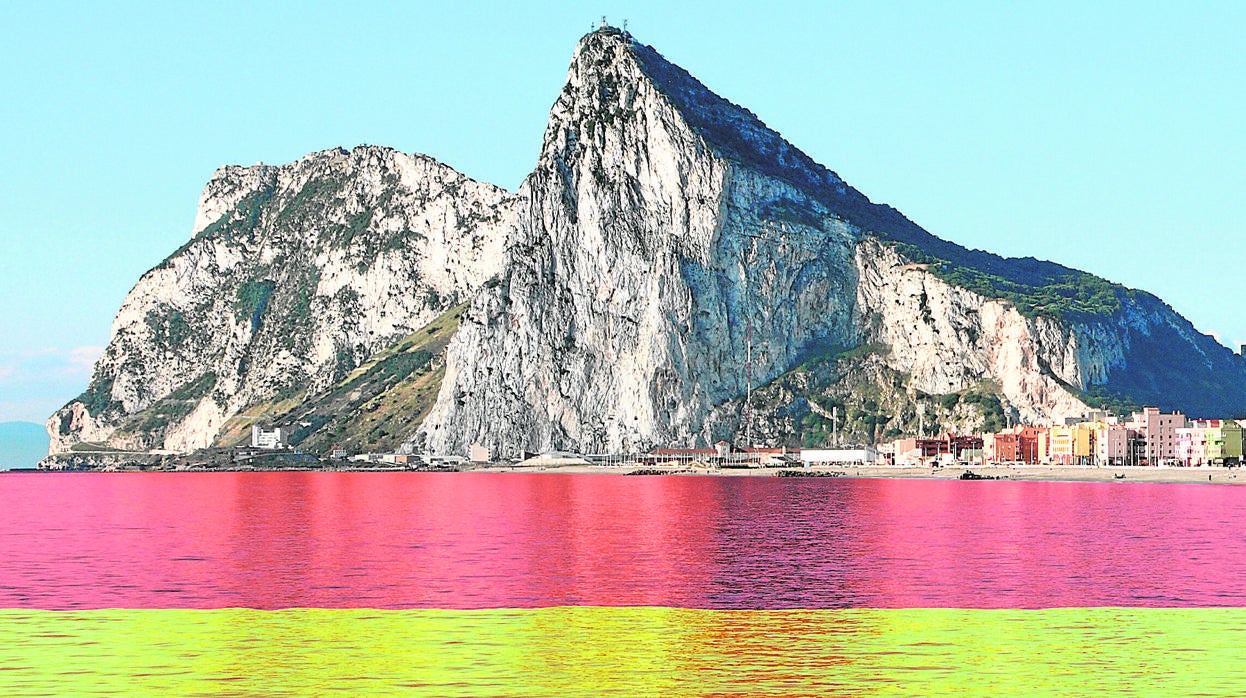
1052	473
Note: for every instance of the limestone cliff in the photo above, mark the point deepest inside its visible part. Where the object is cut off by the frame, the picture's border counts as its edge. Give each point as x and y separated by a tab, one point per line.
293	276
675	251
668	258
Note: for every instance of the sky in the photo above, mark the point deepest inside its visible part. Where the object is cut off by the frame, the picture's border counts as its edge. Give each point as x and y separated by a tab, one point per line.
1108	137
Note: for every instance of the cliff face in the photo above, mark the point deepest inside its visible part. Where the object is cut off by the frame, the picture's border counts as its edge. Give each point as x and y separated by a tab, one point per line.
630	285
948	339
676	251
668	256
293	276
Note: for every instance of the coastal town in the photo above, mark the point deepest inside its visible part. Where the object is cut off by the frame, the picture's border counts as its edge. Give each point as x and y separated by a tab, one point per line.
1097	439
1148	439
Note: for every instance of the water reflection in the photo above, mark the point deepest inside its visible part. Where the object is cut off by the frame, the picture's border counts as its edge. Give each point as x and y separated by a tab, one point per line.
625	651
463	540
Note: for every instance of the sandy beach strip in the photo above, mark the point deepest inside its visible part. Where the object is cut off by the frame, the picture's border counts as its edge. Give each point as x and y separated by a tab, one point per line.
1052	473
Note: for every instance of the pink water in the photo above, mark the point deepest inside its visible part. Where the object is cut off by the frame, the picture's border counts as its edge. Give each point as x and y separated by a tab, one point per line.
465	540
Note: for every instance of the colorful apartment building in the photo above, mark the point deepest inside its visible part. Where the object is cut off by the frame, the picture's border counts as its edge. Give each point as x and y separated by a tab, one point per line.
1209	442
1116	444
1158	432
1004	447
1191	448
1149	437
1017	445
1068	444
1229	443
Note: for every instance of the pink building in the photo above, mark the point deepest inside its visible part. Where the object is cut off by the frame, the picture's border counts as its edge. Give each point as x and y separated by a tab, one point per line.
1158	432
1004	447
1114	445
1191	446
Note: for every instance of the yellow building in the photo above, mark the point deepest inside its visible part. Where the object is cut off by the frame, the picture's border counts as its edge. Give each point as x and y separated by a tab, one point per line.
1070	444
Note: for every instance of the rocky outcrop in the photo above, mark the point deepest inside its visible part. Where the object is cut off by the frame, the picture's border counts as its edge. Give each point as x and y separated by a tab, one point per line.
623	315
294	275
672	271
676	251
948	339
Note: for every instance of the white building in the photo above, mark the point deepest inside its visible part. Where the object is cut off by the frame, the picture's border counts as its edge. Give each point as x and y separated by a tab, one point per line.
838	456
274	438
479	454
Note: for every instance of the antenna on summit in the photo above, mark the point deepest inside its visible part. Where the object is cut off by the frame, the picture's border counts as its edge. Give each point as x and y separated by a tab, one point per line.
603	21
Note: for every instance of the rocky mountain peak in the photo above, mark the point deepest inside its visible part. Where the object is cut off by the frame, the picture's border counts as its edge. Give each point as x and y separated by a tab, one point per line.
610	68
294	276
672	271
228	186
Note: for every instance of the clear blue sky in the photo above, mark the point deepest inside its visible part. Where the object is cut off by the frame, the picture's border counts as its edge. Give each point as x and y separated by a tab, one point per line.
1110	138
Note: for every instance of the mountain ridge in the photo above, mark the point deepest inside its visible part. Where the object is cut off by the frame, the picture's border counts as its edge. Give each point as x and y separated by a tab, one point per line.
795	166
668	255
294	274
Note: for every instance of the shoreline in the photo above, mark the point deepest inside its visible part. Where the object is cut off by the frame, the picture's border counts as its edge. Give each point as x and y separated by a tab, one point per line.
1030	473
1034	473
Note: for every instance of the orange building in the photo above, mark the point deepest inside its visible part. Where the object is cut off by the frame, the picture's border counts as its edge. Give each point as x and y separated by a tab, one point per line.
1004	447
1017	445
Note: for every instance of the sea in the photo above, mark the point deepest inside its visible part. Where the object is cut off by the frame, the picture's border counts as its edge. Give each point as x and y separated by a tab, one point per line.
540	584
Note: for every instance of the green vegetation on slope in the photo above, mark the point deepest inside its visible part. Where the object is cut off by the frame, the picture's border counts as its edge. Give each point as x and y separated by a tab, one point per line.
169	328
374	408
170	409
874	403
252	300
238	223
1103	397
1163	372
97	398
1031	286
